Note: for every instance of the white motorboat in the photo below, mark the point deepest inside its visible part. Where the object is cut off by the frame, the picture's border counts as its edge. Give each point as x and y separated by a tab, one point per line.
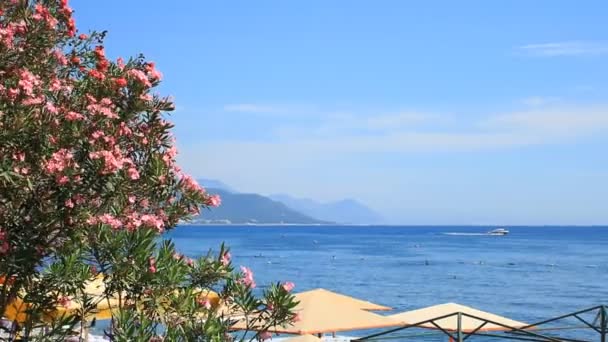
498	231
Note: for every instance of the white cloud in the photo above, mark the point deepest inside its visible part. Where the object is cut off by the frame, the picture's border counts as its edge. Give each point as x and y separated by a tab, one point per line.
553	123
536	101
566	48
325	136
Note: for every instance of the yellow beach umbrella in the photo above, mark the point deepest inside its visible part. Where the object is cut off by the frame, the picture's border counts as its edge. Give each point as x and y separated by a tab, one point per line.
321	311
323	295
17	310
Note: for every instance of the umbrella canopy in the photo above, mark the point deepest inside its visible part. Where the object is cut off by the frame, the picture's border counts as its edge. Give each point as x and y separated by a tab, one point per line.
321	311
468	324
339	300
17	309
95	289
304	338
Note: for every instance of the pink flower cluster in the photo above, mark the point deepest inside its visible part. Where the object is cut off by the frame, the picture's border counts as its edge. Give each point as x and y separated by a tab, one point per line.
131	221
113	161
60	57
43	13
152	265
153	221
105	107
288	286
169	156
247	279
60	161
225	258
154	74
190	184
214	201
108	219
6	37
28	81
140	77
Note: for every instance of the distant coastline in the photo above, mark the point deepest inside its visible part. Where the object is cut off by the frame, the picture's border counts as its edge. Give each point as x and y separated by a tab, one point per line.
346	225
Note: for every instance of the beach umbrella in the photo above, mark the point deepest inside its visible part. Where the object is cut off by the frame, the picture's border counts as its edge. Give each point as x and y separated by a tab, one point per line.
456	321
321	311
467	322
16	310
95	289
338	299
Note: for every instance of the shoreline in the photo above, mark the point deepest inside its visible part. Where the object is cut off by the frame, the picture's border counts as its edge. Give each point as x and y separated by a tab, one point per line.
343	225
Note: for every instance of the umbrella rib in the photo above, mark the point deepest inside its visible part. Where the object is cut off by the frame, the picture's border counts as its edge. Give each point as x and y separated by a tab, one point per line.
444	331
474	331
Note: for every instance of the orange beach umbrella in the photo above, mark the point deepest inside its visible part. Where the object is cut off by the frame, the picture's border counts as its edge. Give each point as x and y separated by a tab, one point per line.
321	311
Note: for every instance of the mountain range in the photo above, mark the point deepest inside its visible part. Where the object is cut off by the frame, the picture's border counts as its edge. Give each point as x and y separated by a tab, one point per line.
344	211
243	208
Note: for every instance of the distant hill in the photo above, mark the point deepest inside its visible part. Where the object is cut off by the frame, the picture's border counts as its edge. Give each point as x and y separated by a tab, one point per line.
215	184
251	208
344	211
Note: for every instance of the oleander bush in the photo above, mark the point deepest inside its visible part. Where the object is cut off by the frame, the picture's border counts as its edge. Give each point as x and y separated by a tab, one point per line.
88	185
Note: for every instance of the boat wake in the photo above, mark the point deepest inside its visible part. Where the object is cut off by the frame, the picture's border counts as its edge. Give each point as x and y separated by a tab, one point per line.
467	234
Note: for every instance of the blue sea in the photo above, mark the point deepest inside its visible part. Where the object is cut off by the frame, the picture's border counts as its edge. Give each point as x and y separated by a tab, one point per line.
531	274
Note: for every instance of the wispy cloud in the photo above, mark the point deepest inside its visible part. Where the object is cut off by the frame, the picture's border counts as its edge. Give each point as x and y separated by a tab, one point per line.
537	101
566	48
394	134
552	124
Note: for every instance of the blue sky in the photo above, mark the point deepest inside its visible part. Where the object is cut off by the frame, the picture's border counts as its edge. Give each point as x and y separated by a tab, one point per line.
431	112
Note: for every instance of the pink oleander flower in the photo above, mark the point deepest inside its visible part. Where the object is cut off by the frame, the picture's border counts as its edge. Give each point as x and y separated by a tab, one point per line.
60	57
62	179
19	156
110	220
288	286
215	200
204	302
225	259
73	116
113	160
133	173
296	317
247	279
64	301
191	185
69	203
104	107
140	77
51	108
153	221
154	74
28	82
152	265
120	62
59	161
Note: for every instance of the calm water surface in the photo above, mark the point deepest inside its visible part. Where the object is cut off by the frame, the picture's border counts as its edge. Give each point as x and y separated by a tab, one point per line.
530	274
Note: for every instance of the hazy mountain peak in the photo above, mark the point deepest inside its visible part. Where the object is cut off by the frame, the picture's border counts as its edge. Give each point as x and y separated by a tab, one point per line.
347	210
215	184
